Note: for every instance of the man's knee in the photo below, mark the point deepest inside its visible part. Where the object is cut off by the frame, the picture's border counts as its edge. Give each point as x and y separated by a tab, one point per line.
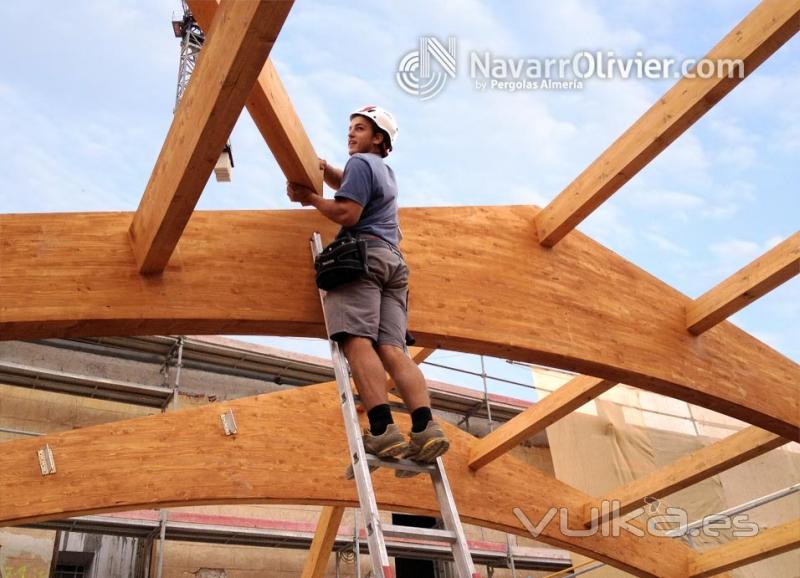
353	345
392	356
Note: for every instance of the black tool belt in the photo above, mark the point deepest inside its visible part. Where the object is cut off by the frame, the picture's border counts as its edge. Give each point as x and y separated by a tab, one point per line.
342	261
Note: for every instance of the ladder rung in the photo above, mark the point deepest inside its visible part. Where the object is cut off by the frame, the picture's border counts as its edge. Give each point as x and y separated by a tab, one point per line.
418	533
399	464
374	462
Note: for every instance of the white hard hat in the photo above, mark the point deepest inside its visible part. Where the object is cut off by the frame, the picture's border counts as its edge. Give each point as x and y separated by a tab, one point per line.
383	118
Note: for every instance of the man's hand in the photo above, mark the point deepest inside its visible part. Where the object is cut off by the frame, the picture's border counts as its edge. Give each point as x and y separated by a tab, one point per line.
299	194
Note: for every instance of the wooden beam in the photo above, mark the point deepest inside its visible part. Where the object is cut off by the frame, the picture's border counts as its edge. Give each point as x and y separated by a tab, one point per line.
278	457
773	268
684	472
237	47
322	545
71	275
547	411
741	551
273	113
753	40
420	354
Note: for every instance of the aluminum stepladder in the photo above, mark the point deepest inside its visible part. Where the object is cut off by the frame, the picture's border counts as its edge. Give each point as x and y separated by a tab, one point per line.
362	465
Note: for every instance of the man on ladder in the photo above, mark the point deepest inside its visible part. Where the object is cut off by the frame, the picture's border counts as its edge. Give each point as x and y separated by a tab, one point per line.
368	316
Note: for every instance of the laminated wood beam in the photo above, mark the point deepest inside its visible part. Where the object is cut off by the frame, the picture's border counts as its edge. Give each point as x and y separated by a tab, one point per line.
184	458
238	43
741	551
684	472
272	111
545	412
73	275
321	546
773	268
753	40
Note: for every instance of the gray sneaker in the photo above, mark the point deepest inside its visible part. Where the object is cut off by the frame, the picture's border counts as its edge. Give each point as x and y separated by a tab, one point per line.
427	445
389	444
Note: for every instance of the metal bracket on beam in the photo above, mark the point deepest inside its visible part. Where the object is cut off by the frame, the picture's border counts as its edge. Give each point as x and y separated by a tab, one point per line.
47	463
228	423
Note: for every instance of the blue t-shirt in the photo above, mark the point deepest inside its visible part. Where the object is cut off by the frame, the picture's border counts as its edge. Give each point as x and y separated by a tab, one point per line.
368	181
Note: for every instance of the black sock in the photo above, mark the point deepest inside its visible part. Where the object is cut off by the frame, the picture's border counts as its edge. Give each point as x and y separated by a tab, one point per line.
420	418
380	417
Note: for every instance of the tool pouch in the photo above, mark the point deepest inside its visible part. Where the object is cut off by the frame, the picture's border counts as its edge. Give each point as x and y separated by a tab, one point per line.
342	261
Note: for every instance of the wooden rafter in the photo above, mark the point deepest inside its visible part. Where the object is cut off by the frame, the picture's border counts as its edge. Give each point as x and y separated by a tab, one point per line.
741	551
273	113
191	461
684	472
547	411
73	275
773	268
238	43
329	519
753	40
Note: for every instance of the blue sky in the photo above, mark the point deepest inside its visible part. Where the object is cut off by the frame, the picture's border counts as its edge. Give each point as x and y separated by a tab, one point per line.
87	90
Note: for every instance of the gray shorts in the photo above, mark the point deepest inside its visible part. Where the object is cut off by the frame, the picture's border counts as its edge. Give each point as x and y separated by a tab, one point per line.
376	305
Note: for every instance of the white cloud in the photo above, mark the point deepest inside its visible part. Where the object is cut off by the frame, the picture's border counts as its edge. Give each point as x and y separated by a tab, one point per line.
423	187
727	199
664	243
609	226
59	163
733	254
685	161
518	194
737	148
773	242
735	249
666	200
585	21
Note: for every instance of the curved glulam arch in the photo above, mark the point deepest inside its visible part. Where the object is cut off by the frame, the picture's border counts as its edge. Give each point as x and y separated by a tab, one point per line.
287	452
480	283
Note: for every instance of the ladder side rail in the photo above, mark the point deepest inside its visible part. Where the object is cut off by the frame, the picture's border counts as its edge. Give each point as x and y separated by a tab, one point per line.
366	494
465	568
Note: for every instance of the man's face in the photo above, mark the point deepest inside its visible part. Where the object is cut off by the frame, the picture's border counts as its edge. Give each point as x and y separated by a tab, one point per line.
361	138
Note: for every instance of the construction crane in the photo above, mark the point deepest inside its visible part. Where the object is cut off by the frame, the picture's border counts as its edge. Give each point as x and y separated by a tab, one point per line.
192	39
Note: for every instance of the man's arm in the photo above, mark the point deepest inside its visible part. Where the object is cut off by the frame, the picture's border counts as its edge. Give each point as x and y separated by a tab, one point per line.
331	175
344	212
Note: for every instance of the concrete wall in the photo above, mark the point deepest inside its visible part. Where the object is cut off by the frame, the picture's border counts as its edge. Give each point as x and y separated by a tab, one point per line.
25	553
